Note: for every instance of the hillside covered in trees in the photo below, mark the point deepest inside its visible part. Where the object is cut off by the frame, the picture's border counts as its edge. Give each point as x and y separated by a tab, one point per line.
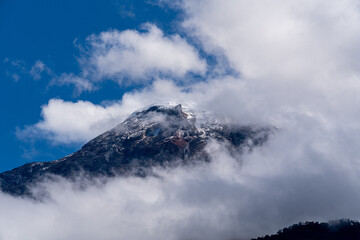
334	230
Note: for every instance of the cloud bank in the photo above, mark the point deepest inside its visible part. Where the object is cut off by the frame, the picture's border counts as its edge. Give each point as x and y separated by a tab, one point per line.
225	199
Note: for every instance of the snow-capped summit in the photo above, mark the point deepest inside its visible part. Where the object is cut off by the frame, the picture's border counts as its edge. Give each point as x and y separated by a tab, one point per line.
159	135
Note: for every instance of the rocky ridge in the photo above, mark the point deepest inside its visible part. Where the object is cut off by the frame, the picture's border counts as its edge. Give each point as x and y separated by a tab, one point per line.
156	136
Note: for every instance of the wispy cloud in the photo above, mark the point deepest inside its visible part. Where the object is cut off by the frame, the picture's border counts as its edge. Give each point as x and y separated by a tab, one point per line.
38	69
19	69
81	84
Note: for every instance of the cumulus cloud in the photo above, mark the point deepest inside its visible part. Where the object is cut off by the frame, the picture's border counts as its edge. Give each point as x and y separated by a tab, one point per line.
73	122
298	56
134	57
141	55
284	40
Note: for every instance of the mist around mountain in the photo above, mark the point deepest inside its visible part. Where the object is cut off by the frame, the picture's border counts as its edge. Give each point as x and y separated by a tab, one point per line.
167	172
157	136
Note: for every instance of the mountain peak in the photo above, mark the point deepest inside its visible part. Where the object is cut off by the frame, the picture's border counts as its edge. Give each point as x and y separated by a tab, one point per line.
158	135
176	111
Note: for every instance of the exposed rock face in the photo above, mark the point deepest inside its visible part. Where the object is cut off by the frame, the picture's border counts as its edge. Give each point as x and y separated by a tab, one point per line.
157	136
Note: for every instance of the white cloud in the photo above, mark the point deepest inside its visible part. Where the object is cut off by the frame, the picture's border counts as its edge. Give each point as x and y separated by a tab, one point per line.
73	122
308	171
224	199
280	40
132	56
66	122
141	55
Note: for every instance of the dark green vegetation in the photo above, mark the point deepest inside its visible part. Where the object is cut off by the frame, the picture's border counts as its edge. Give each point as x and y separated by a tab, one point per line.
334	230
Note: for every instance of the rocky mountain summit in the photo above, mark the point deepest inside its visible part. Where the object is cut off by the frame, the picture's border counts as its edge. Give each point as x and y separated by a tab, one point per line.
156	136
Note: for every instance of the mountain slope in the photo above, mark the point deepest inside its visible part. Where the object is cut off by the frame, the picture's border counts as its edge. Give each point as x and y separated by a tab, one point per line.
157	136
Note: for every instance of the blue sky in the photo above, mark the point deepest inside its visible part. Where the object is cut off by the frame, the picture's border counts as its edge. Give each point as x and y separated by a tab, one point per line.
45	31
